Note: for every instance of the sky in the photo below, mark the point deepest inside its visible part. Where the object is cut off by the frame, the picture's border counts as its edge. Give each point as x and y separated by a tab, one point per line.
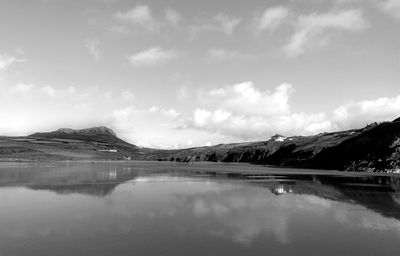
183	73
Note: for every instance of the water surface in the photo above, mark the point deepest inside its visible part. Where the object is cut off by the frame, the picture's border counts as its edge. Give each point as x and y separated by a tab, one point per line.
204	209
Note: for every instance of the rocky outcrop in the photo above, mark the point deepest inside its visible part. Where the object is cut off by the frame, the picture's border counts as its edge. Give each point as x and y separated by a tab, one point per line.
100	130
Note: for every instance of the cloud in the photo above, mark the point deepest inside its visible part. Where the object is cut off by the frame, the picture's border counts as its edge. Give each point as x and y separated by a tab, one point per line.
391	7
228	24
220	54
127	95
220	23
154	109
93	47
48	90
309	28
7	60
272	18
356	114
22	88
172	16
122	29
183	93
245	98
151	127
140	15
244	112
64	93
170	113
152	56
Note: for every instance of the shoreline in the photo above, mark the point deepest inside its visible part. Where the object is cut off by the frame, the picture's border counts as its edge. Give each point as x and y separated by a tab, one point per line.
217	167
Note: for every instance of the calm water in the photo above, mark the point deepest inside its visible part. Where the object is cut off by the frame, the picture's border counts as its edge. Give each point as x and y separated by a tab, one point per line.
165	209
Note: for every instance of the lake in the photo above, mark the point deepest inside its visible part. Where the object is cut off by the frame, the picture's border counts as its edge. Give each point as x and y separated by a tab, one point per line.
148	208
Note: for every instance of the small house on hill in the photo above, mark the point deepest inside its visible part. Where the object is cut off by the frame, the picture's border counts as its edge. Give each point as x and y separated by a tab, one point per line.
278	137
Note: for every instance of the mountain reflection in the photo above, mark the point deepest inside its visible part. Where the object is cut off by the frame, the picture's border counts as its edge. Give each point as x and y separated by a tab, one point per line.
88	179
86	209
378	193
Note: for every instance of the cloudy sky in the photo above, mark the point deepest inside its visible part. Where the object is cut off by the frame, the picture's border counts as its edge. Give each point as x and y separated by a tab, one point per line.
181	73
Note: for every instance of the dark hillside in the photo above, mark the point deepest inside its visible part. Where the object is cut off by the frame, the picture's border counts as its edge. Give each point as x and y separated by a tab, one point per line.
373	149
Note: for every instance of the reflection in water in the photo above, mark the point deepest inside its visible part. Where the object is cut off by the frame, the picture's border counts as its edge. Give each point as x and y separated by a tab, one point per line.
115	209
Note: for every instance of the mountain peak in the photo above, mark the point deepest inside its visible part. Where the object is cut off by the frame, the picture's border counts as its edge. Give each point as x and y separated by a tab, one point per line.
88	131
98	130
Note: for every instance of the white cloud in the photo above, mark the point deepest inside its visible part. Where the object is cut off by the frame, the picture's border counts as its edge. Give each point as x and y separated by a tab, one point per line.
220	23
71	89
309	28
152	56
244	112
48	90
119	29
92	45
7	60
170	113
183	92
272	18
228	24
200	117
172	16
22	88
220	54
140	15
363	112
391	7
153	109
124	112
217	92
127	95
246	99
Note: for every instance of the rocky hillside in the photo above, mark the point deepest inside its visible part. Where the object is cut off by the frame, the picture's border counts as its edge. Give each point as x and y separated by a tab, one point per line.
374	148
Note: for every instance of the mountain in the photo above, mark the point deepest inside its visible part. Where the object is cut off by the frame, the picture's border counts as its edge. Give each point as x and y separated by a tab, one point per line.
96	143
99	134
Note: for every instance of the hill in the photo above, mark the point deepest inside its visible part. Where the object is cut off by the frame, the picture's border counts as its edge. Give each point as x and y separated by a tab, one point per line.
95	134
375	148
97	143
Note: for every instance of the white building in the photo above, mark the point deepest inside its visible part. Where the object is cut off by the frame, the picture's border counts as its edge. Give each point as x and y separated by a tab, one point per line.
278	137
